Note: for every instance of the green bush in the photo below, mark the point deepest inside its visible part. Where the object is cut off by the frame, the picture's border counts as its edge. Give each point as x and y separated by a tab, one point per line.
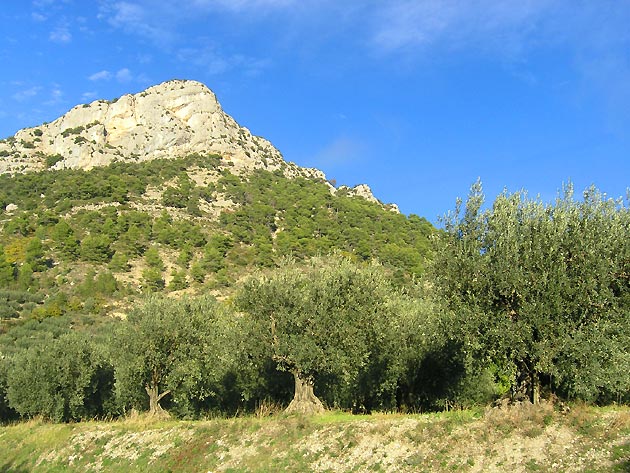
96	248
62	380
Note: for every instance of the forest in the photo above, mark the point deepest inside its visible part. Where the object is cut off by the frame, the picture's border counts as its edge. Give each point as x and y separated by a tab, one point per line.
116	297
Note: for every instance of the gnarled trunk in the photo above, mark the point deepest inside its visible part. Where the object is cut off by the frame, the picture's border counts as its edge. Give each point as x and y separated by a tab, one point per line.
155	398
304	399
535	387
527	383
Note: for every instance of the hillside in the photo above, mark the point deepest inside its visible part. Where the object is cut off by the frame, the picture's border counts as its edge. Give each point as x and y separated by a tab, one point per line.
519	439
163	191
180	224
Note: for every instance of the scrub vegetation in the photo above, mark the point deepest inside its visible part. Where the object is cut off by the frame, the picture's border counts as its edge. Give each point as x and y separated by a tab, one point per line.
177	288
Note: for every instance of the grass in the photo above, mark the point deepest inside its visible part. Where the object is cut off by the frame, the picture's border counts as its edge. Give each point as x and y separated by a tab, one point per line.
521	438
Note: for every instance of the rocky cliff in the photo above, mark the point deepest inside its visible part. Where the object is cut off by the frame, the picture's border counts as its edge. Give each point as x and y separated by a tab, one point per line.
172	119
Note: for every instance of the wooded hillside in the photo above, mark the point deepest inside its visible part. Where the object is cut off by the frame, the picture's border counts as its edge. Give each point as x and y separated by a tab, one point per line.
326	299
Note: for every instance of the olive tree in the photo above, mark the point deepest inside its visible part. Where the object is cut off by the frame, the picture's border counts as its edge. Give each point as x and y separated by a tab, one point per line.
175	348
61	379
328	317
527	282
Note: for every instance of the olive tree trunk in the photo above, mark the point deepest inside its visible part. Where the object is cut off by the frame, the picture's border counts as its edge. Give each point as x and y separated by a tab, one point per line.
535	388
155	398
527	383
304	399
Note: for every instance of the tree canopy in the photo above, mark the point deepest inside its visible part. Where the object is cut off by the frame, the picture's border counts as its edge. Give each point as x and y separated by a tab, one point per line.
329	317
177	348
521	297
61	379
527	281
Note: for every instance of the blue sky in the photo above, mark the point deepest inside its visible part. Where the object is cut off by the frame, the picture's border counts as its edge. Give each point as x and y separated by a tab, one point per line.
417	99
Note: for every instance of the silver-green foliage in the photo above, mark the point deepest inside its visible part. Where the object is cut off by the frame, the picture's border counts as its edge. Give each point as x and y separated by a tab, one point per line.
542	290
61	379
332	319
176	350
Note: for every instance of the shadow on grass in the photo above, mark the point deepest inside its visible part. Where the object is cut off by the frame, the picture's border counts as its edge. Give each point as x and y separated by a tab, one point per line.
11	468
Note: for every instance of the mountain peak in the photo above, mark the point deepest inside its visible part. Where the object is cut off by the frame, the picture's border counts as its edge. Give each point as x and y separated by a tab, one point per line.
190	90
178	84
168	120
171	119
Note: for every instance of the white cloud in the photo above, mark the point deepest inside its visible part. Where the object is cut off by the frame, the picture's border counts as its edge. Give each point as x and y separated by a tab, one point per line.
61	34
43	3
207	58
56	96
26	94
38	17
505	27
101	75
121	75
124	75
88	96
138	19
512	32
342	150
143	79
162	22
591	37
144	58
126	13
454	24
214	62
242	5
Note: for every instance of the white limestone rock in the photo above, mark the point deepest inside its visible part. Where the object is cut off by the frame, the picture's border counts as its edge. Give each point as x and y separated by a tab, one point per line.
364	191
172	119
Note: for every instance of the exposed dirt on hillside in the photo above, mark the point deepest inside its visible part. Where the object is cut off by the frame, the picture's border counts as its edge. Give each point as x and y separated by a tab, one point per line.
517	439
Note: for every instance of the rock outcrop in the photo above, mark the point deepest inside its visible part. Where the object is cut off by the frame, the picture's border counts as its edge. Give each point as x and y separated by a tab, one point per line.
172	119
364	191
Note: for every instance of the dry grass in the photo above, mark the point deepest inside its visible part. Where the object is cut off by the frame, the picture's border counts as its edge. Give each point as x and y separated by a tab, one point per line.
268	408
518	438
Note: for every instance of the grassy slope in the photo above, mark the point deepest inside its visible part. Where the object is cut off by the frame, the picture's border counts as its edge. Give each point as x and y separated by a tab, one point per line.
514	439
